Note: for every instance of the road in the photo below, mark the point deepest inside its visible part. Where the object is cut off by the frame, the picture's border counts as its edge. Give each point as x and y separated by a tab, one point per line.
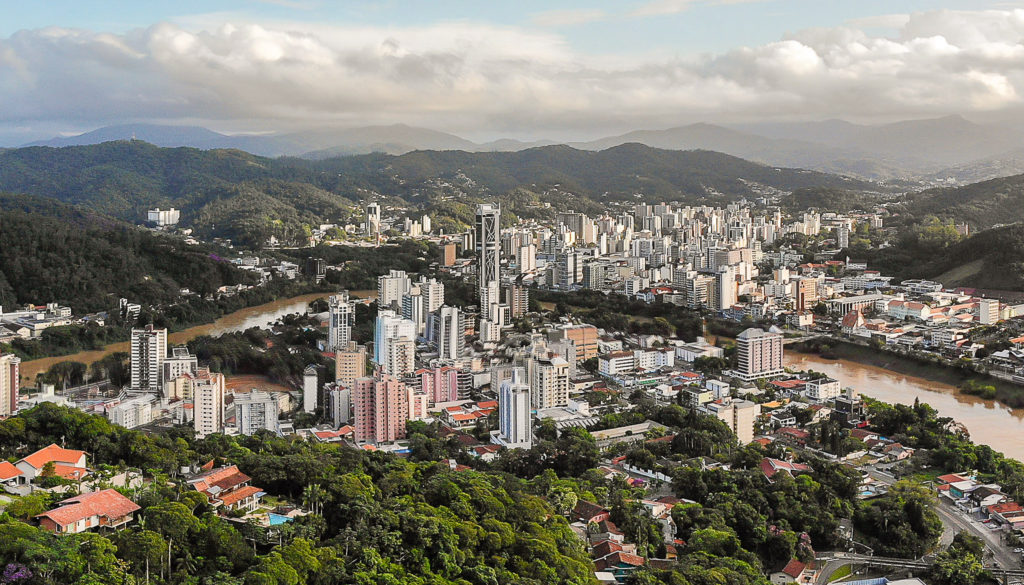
954	520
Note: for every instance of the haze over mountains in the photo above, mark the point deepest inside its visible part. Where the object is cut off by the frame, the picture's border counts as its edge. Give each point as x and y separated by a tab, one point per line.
930	149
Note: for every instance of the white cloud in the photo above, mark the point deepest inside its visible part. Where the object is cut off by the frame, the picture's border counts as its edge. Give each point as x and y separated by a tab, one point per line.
466	76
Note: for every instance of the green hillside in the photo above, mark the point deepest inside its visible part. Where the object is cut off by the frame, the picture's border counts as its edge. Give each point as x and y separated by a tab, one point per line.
55	252
982	205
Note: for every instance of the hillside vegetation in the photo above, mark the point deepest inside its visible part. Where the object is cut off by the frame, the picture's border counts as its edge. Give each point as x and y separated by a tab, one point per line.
230	193
982	205
59	253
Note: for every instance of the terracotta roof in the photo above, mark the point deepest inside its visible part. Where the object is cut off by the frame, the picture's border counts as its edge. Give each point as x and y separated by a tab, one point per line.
53	453
950	478
587	510
69	471
605	548
794	568
108	503
1005	508
771	466
238	495
8	471
620	558
224	478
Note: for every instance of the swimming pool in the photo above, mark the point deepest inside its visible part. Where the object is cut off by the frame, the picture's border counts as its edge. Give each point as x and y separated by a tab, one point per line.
277	519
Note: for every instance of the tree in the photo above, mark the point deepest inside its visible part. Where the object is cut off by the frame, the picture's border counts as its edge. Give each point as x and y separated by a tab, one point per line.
961	562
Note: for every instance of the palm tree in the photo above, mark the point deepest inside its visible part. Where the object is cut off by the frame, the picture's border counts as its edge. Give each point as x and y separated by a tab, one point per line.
312	497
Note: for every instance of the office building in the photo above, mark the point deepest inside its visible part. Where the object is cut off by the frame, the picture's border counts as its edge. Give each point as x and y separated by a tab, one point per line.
448	254
349	364
256	411
381	409
451	333
341	312
207	402
514	423
759	355
10	383
488	247
148	352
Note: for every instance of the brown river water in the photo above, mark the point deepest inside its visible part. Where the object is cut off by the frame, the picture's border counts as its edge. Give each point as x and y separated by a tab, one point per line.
257	316
988	422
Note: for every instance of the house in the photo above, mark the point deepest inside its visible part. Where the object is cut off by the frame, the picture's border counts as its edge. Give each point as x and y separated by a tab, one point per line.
67	463
619	563
798	436
9	474
227	488
102	509
587	512
795	571
987	495
771	466
897	452
1007	513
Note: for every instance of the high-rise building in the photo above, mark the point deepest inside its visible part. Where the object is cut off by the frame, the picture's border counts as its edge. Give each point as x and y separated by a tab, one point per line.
548	378
517	297
843	236
806	294
988	311
448	254
400	359
391	287
341	317
381	409
339	405
583	337
726	289
389	326
414	309
514	422
439	383
372	225
149	350
488	246
256	411
10	383
759	355
180	362
738	415
208	402
451	334
432	291
310	387
349	364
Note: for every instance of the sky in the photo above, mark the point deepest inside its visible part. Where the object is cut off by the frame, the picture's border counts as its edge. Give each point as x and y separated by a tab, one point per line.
484	70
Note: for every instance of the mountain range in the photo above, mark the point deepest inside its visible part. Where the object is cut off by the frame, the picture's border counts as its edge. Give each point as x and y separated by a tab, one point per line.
948	149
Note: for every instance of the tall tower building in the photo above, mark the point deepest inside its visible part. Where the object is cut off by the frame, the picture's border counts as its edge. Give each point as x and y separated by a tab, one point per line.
759	355
514	429
414	309
149	350
180	362
517	297
372	225
208	402
342	316
451	335
432	292
381	409
488	247
10	383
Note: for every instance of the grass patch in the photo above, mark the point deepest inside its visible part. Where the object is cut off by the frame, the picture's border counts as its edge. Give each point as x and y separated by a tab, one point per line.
841	573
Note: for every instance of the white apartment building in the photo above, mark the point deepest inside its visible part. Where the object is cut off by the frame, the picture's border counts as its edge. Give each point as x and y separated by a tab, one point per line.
514	423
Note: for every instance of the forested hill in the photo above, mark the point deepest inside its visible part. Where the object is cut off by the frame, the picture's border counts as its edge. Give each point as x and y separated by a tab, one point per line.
124	178
982	205
52	252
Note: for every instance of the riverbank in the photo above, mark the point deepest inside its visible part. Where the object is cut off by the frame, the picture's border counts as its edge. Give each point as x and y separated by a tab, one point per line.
1006	393
240	320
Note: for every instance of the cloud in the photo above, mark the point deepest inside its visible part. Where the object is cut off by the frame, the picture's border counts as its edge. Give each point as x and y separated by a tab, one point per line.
465	76
556	18
665	7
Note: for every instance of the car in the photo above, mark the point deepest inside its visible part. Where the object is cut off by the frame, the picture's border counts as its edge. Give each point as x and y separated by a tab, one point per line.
1018	550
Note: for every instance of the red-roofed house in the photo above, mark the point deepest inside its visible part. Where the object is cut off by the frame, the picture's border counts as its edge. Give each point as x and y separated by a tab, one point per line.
9	474
793	572
72	463
619	563
587	512
227	487
771	466
950	478
105	508
1007	513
